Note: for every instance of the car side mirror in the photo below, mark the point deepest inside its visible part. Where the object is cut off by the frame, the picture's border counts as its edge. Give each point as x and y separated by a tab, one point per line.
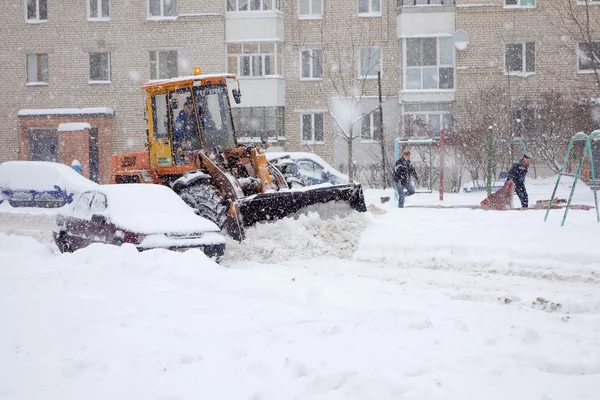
237	95
100	219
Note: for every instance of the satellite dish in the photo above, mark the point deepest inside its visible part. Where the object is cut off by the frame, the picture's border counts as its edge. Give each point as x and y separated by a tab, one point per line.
461	40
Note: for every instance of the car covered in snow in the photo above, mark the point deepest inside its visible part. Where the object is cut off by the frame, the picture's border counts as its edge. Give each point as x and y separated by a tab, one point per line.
307	168
145	215
40	184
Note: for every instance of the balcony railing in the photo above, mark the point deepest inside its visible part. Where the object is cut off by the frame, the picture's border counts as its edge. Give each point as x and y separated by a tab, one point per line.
425	3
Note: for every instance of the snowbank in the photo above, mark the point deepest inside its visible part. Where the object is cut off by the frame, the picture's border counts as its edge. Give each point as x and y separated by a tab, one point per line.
307	237
108	322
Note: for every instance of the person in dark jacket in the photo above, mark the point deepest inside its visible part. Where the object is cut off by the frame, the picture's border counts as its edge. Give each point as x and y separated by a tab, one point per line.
517	174
403	170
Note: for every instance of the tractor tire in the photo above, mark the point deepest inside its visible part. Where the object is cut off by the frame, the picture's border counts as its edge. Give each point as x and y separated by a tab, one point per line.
210	205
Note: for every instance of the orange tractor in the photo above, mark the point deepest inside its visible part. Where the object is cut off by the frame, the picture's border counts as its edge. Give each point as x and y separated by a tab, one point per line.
192	148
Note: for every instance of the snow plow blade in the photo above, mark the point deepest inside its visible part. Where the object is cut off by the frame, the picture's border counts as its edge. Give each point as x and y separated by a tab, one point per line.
276	205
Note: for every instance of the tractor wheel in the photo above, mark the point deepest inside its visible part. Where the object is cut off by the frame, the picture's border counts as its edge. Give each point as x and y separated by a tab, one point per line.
210	205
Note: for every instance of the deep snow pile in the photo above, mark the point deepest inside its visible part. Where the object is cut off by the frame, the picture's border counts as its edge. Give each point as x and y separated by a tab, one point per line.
308	236
108	322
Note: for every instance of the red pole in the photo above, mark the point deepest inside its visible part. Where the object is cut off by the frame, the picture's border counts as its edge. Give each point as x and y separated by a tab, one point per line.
442	165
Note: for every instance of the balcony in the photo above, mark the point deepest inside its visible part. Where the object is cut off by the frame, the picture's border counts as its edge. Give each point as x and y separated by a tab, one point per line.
413	3
425	17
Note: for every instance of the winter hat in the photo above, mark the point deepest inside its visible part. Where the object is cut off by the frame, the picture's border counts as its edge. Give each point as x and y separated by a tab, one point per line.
527	155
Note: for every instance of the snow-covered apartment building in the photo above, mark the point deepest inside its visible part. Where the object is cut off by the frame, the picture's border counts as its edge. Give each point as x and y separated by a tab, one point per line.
72	69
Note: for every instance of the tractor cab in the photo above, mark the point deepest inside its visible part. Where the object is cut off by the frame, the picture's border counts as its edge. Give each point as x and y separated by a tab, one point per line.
188	114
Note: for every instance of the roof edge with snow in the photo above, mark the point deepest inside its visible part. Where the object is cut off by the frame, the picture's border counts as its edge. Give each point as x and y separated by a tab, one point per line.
31	112
73	126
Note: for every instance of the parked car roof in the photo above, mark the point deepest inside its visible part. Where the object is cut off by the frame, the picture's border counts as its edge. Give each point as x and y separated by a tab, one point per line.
150	208
42	176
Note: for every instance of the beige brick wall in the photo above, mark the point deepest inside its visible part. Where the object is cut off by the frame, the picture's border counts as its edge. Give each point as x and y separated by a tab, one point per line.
481	65
340	34
68	37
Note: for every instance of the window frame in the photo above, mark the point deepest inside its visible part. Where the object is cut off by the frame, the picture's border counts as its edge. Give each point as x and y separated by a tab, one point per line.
276	55
311	15
100	82
160	17
578	51
39	81
311	64
369	13
446	112
157	63
405	66
360	59
37	19
373	126
252	113
276	5
99	7
523	72
518	5
312	113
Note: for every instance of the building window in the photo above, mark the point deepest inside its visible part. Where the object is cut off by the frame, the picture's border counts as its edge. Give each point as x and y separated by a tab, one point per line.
588	54
37	10
254	5
42	144
519	58
98	10
312	128
256	122
429	63
372	7
519	3
369	126
163	64
100	67
254	59
311	63
370	62
37	68
162	8
308	9
427	119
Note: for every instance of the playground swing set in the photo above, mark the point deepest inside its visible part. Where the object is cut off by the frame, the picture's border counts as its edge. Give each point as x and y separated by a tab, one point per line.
587	151
424	142
578	137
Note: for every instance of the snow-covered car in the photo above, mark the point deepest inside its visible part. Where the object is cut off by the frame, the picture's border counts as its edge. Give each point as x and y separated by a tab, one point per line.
145	215
40	183
311	169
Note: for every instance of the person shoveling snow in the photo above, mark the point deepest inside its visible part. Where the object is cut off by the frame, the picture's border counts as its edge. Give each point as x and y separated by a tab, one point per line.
517	174
515	182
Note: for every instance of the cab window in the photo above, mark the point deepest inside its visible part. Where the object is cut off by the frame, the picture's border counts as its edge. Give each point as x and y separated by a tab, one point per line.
184	120
161	118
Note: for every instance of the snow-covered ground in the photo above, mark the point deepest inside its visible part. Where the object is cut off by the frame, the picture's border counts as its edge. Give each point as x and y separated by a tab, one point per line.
414	303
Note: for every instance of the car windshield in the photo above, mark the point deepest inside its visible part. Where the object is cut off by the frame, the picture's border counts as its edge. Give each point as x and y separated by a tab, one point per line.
213	111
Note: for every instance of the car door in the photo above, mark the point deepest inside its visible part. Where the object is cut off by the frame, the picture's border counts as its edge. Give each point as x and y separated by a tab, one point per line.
77	222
